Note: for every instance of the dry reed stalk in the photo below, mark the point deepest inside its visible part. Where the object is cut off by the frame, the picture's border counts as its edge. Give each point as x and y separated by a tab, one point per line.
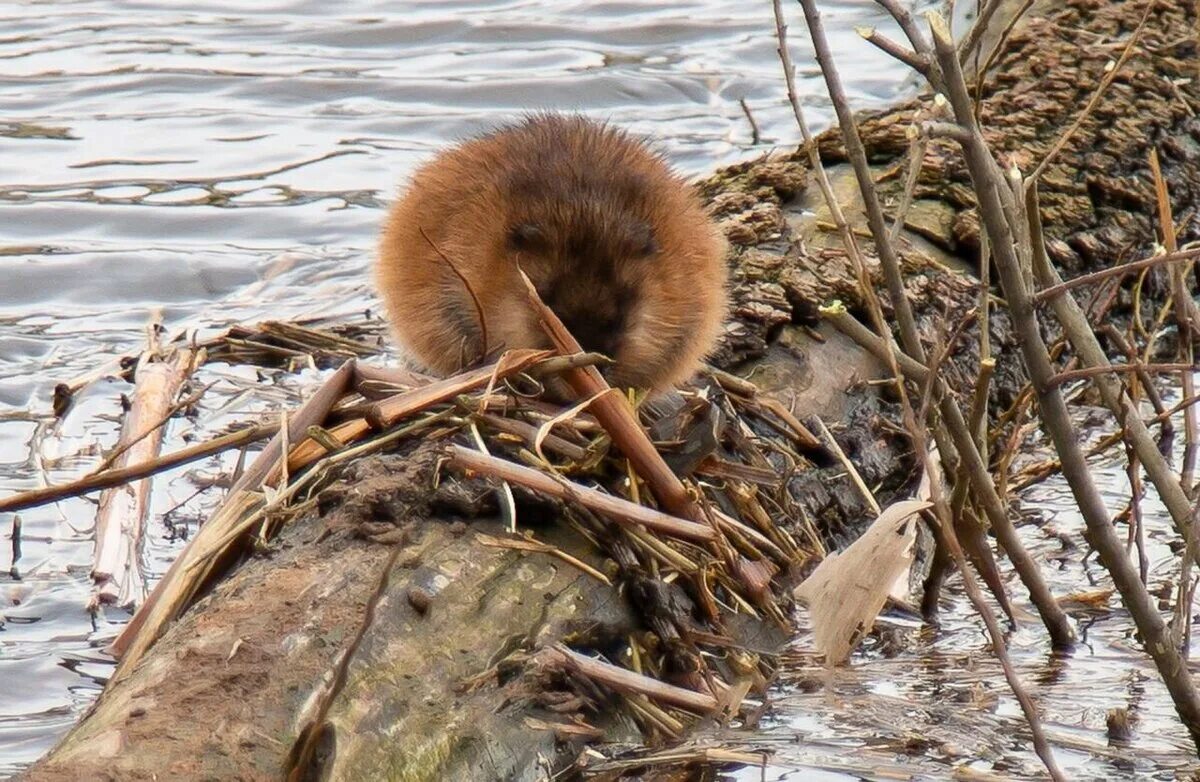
311	413
121	517
386	412
868	498
171	593
559	657
528	434
119	476
397	377
615	508
241	499
617	417
308	450
537	547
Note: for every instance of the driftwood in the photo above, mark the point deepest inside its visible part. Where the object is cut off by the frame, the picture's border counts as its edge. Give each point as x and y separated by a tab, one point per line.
123	509
449	666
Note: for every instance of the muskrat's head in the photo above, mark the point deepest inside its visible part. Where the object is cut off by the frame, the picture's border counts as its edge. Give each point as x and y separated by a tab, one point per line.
614	243
589	270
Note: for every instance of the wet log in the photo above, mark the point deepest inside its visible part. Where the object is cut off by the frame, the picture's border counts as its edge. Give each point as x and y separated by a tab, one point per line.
439	685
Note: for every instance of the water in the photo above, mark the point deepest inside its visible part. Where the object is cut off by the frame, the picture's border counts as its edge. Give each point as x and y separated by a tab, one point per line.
915	704
228	164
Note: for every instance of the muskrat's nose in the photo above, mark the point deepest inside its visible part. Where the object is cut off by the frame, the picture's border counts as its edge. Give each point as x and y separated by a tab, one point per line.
595	335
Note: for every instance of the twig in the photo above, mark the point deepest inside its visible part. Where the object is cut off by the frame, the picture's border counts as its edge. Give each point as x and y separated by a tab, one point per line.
855	478
1120	369
755	136
975	34
562	658
483	346
1116	271
615	508
918	62
963	440
1182	296
299	762
312	412
1087	347
120	476
1094	101
387	412
617	417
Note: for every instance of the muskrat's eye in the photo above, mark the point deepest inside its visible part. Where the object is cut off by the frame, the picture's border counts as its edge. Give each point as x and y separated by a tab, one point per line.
644	242
526	237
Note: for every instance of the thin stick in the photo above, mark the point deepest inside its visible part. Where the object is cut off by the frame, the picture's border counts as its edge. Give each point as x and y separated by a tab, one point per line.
1182	296
1120	369
483	347
1087	347
855	478
918	62
299	762
559	656
311	413
619	510
1116	271
387	412
755	136
975	34
617	417
1094	101
120	476
121	448
912	344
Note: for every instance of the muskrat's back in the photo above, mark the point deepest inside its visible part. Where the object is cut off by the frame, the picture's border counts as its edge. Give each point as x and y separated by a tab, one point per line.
616	243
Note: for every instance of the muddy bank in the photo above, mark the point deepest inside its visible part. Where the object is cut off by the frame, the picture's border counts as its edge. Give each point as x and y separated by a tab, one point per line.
438	685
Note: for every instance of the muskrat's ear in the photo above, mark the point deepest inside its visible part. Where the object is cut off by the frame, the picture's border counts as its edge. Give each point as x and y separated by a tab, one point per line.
526	237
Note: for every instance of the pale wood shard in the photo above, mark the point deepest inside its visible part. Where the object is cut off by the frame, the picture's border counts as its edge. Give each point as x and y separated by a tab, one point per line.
849	588
116	568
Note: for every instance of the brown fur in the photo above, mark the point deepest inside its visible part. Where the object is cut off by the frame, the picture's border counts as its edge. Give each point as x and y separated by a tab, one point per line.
616	243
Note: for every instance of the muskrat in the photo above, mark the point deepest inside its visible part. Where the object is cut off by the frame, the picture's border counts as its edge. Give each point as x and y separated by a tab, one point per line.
617	244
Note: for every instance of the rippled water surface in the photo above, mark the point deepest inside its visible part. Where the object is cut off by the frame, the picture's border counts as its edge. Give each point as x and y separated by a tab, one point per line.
229	163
